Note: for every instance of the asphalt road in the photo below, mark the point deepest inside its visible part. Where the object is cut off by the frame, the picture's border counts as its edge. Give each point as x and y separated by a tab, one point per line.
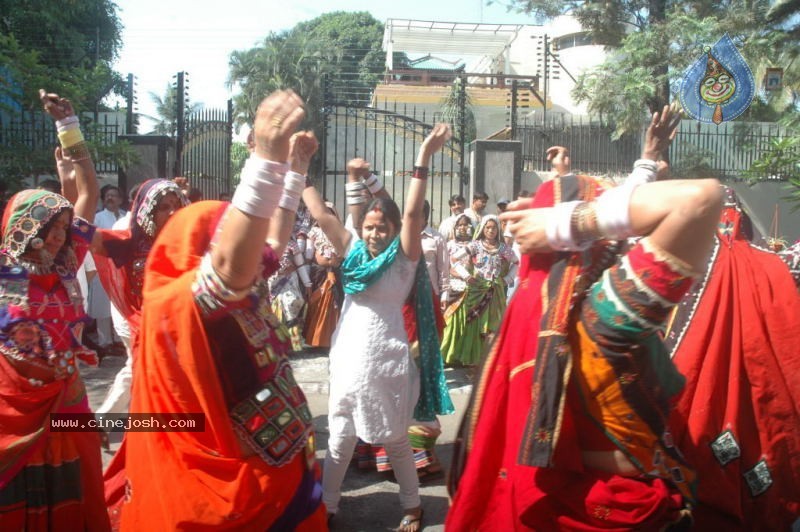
369	499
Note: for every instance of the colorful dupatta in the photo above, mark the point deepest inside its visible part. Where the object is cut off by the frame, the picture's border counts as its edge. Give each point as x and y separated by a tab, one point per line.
359	272
494	481
200	480
121	269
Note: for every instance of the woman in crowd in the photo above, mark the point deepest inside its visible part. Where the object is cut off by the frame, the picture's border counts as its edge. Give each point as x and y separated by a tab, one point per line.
733	338
326	298
374	385
472	325
49	480
288	294
568	428
209	345
120	257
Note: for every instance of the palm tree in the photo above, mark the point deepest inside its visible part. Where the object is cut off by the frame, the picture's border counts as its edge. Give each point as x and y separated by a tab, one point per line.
166	119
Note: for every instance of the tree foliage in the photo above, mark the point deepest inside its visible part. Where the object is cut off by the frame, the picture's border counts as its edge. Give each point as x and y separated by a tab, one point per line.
166	117
67	46
651	43
344	48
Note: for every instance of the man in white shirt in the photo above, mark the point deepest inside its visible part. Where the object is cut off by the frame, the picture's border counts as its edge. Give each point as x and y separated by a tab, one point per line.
434	248
457	204
475	212
112	211
99	305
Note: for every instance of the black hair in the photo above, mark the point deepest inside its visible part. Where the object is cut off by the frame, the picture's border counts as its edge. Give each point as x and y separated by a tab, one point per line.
51	185
456	198
480	195
426	210
390	210
195	195
106	188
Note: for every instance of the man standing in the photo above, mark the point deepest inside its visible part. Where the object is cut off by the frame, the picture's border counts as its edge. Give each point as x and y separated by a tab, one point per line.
99	304
475	212
112	211
434	248
457	204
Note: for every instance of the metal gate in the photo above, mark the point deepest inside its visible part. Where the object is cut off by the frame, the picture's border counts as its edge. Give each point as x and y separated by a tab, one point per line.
389	140
204	150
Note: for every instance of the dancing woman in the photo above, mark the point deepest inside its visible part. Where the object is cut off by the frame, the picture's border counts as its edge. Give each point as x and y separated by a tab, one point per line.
325	302
209	345
120	256
374	383
568	427
49	480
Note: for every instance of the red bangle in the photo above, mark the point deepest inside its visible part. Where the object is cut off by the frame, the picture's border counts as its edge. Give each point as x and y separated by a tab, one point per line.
420	172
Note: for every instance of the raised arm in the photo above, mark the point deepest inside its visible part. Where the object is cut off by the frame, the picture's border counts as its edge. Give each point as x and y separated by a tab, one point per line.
679	216
80	181
413	214
304	145
356	190
237	254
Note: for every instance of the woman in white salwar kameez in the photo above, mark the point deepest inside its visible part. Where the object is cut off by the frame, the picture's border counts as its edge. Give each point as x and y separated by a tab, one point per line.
374	382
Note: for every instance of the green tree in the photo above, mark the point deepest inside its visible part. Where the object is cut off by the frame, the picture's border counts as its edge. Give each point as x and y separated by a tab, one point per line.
66	47
166	117
451	112
344	48
652	42
71	45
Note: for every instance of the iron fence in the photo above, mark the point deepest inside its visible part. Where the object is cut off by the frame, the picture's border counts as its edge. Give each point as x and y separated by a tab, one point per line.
726	151
205	150
34	131
388	139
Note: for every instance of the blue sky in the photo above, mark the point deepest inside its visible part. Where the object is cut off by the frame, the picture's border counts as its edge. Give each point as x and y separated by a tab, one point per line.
161	37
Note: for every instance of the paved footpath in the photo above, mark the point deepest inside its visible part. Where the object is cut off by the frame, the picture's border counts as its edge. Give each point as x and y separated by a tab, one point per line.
369	500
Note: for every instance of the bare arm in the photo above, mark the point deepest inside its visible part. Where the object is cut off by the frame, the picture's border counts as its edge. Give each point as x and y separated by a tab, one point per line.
306	145
357	169
81	181
413	216
235	257
679	216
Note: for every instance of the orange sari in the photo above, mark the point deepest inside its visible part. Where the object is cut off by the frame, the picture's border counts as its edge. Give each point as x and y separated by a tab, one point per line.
195	479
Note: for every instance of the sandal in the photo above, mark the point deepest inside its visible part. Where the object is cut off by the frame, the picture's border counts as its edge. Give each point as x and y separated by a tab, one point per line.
411	522
427	473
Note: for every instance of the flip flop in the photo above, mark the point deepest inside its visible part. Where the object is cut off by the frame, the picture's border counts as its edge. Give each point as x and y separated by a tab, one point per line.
410	520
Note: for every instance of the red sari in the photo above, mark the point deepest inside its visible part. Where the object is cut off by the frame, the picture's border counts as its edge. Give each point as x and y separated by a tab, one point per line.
735	340
491	487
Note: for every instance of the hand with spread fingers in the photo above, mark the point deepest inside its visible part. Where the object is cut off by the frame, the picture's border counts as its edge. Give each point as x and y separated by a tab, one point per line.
660	133
277	117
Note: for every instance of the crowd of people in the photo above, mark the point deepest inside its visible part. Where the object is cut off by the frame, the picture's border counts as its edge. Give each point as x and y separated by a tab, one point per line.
632	346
